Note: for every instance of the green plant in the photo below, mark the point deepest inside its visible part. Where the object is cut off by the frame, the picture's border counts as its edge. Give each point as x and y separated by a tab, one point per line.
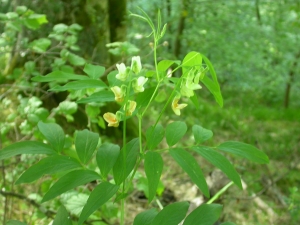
134	89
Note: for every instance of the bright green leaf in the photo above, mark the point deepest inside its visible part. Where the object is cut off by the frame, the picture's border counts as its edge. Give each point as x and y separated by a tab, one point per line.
86	143
192	59
74	201
165	64
244	150
190	165
54	134
154	136
175	131
100	96
93	71
201	134
146	217
49	165
80	84
25	147
62	217
40	45
218	160
123	168
69	181
60	28
59	76
34	21
172	214
106	157
204	215
75	60
153	169
100	195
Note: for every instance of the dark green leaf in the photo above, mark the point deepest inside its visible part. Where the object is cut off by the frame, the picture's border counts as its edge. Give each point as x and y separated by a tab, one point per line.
54	134
201	134
123	168
172	214
221	162
80	84
175	131
144	97
146	217
85	144
204	215
100	195
49	165
70	181
100	96
154	136
106	157
62	217
25	147
59	76
189	164
93	71
153	169
244	150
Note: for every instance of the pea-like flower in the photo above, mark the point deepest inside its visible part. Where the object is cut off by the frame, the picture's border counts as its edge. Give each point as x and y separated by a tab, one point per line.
136	65
123	73
130	107
138	84
111	119
177	107
119	93
189	84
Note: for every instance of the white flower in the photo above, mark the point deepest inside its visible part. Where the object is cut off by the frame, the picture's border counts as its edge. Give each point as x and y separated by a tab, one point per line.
177	107
119	93
130	107
138	84
122	75
136	65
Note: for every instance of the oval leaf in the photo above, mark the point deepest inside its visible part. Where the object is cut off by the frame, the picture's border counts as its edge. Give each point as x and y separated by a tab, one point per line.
189	164
100	195
85	144
49	165
62	217
123	168
26	147
175	131
221	162
201	134
204	215
172	214
153	169
106	157
154	136
93	71
192	59
70	181
54	134
244	150
145	218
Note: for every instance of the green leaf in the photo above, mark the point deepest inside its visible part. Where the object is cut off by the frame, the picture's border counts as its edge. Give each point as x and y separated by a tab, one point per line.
60	28
40	45
49	165
74	201
62	217
165	64
70	181
221	162
190	165
54	134
175	131
15	222
144	97
172	214
93	71
112	80
100	96
244	150
192	59
67	107
21	9
35	21
214	89
194	100
146	217
85	144
75	60
59	76
204	215
154	136
153	169
106	157
100	195
201	134
80	84
25	147
123	168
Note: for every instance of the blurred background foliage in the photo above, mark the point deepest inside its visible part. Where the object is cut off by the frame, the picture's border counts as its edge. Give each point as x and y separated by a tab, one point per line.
254	46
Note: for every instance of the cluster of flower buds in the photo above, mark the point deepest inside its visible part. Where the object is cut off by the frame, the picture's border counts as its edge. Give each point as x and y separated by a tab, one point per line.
137	82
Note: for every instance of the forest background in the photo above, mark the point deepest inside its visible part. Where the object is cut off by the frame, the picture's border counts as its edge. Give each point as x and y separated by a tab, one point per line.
254	46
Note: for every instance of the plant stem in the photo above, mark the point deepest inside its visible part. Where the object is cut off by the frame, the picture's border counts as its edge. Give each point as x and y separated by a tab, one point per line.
219	193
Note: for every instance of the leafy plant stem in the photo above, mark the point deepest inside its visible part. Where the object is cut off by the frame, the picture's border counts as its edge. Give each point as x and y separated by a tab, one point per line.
219	193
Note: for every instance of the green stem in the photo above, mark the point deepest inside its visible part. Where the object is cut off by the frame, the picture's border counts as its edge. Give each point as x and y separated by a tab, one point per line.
219	193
